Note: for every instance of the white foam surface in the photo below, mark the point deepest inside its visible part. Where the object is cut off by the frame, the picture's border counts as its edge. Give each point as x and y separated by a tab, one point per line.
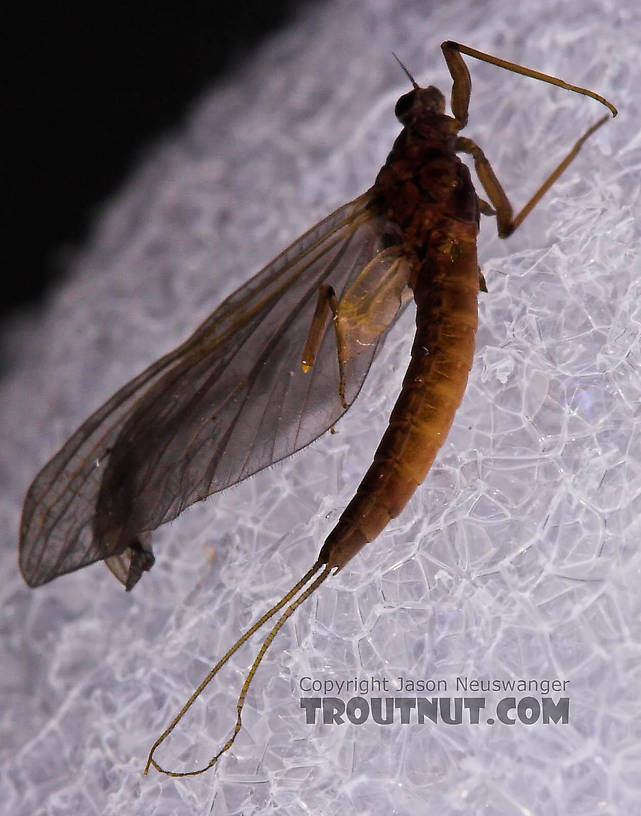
519	556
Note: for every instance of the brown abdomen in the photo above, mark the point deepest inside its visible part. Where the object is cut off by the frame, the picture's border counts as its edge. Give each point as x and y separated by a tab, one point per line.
446	294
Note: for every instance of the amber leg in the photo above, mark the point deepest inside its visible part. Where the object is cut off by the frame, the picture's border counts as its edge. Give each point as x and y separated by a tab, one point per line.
461	90
461	82
327	305
491	185
452	52
505	222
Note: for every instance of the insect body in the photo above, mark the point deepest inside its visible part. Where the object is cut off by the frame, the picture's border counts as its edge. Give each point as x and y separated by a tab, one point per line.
428	193
225	404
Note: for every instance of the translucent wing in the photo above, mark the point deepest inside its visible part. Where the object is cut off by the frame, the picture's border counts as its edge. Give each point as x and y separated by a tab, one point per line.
228	402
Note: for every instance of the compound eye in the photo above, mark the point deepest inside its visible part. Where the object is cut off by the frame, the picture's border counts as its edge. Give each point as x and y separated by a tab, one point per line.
404	104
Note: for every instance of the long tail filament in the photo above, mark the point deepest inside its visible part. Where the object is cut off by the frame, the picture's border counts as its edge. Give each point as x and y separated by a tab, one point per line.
293	606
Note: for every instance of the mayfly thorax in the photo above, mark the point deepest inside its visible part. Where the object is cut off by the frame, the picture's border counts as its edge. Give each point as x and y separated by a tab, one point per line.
225	404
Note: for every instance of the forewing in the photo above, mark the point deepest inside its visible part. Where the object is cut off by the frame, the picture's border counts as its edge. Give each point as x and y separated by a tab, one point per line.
228	402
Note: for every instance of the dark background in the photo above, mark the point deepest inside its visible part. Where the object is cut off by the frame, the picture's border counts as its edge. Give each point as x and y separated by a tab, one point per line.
86	88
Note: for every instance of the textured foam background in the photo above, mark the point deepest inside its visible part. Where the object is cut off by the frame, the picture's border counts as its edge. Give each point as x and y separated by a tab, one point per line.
518	558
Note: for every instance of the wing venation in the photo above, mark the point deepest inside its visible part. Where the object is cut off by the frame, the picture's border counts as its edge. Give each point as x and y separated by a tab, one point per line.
228	402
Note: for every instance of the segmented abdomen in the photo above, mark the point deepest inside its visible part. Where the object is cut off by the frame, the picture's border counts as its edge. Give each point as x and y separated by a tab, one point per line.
446	293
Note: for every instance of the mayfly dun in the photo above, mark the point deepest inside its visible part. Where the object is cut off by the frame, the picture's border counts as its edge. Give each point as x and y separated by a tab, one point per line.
225	404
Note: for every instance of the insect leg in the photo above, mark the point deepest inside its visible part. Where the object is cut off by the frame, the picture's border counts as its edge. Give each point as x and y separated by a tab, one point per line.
461	89
506	223
326	304
491	185
486	208
461	81
452	52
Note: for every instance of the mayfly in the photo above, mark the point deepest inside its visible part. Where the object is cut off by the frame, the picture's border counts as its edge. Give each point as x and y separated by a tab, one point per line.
226	403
